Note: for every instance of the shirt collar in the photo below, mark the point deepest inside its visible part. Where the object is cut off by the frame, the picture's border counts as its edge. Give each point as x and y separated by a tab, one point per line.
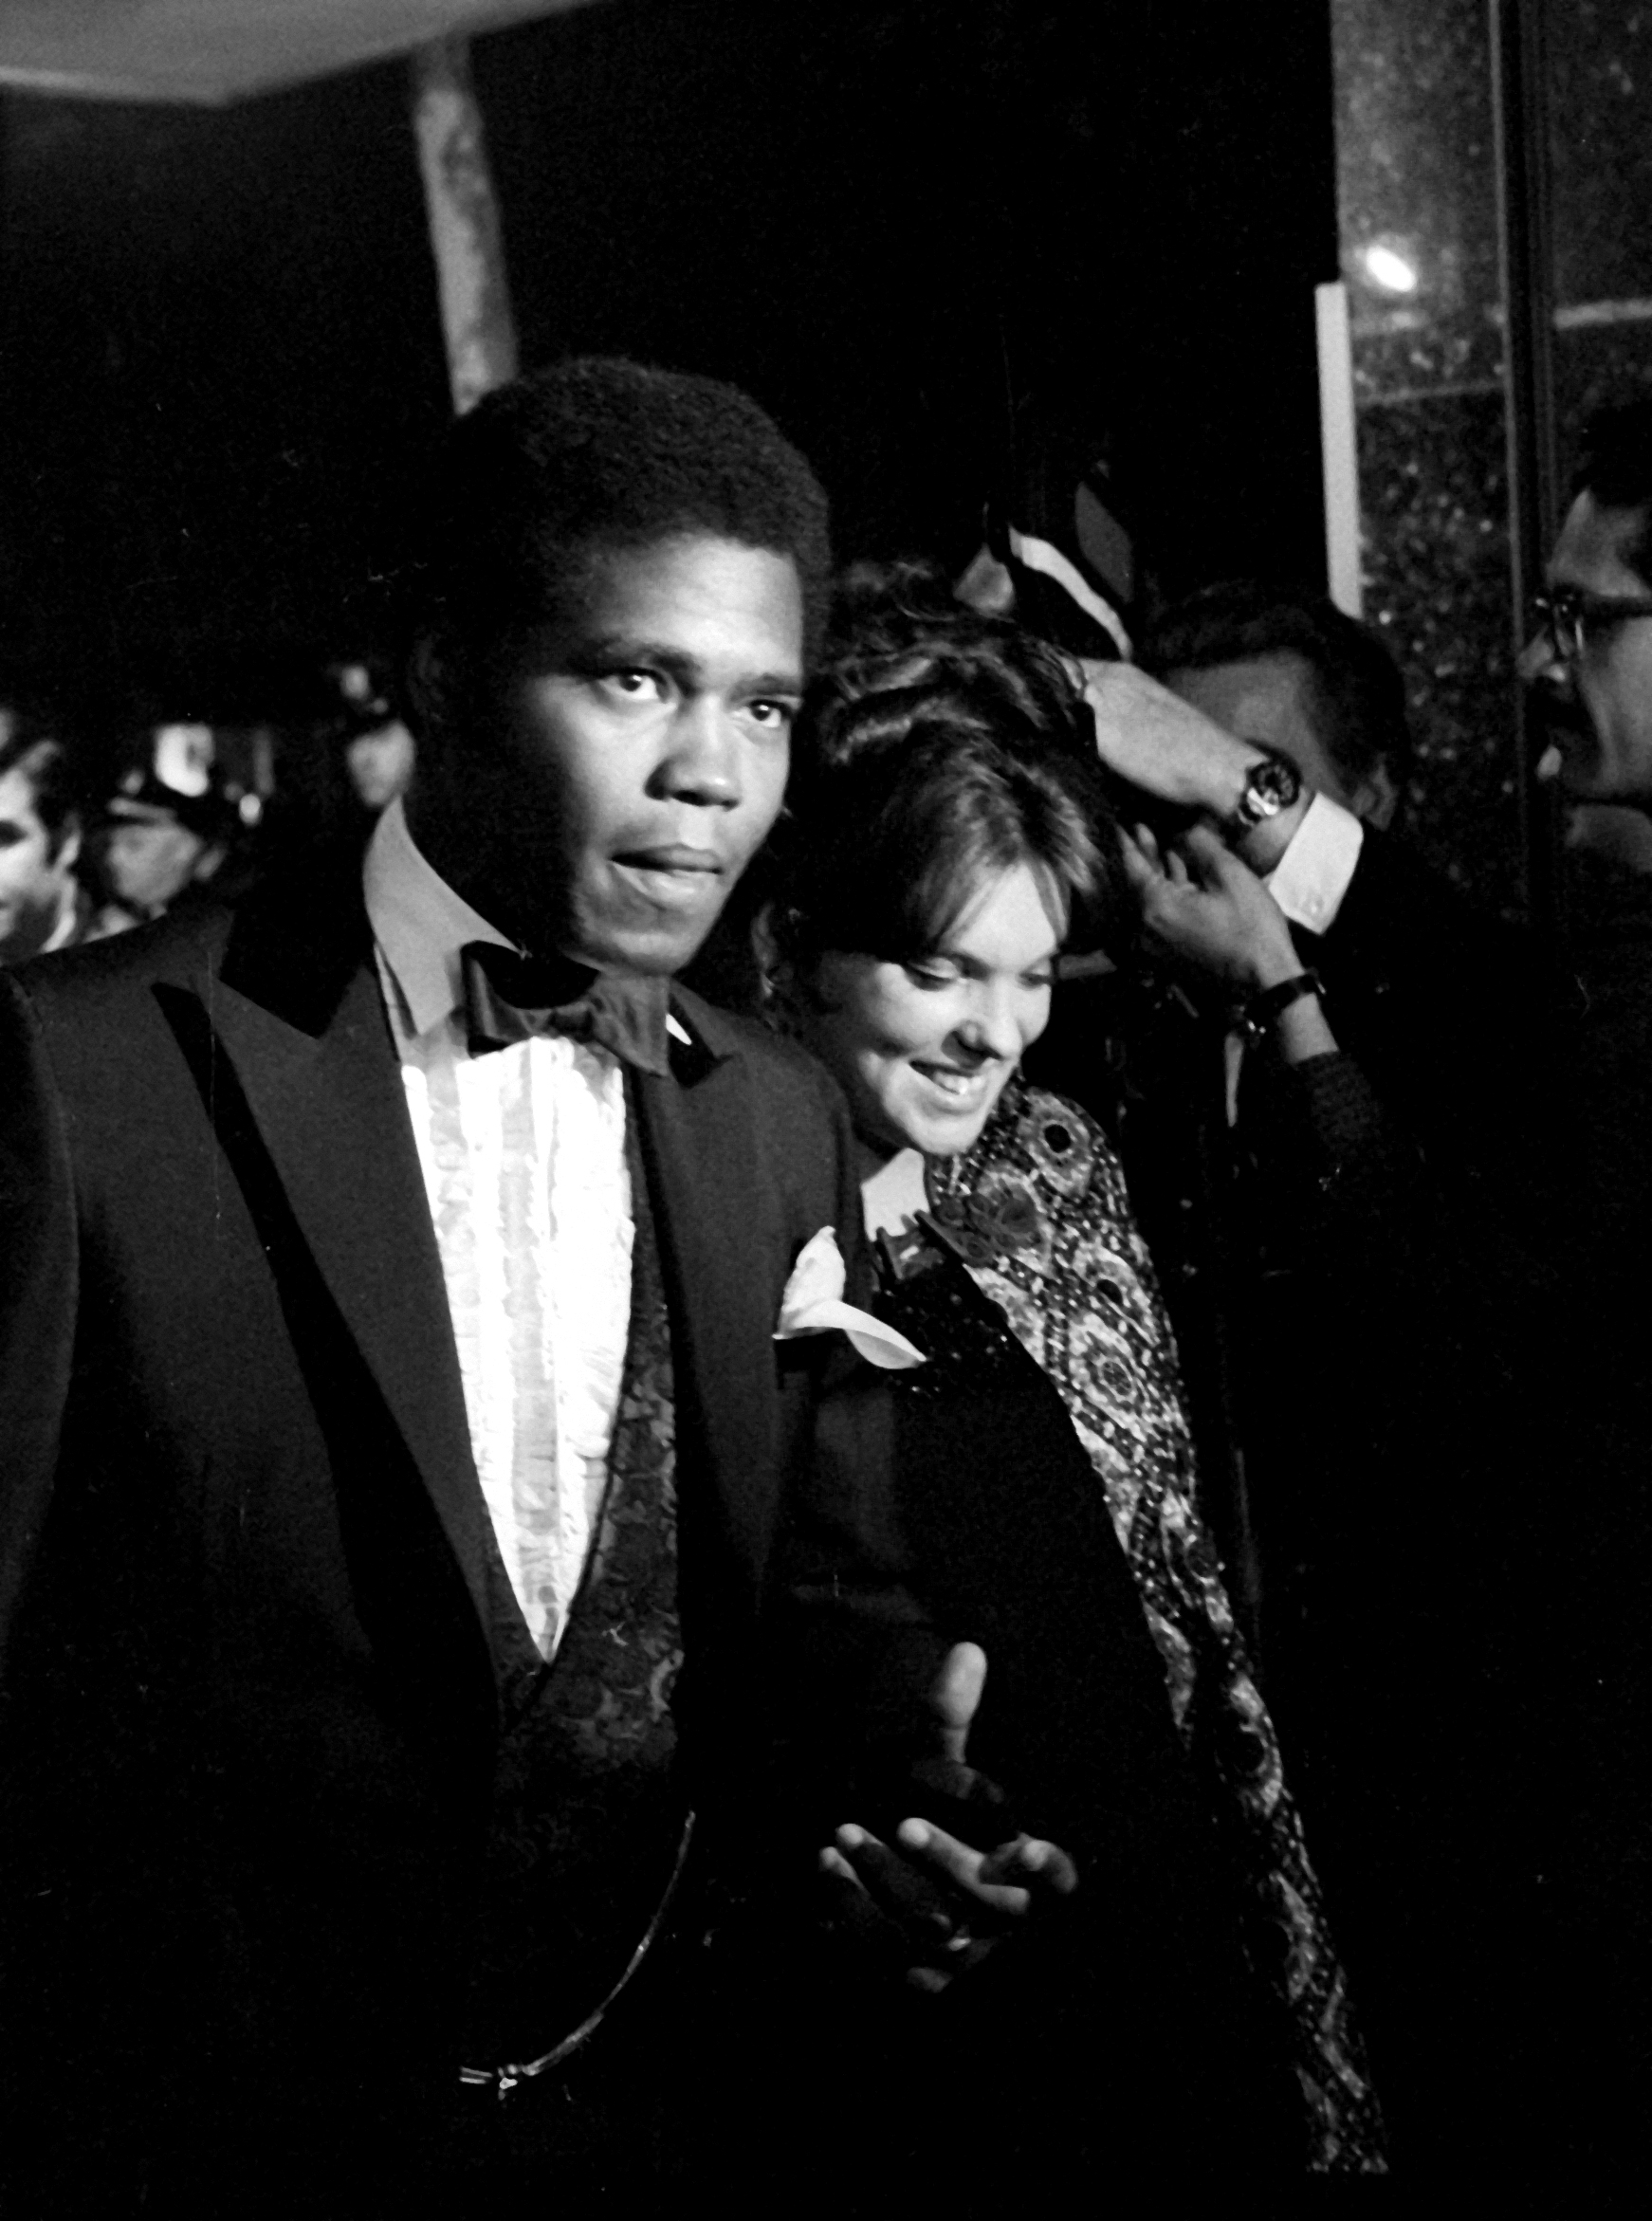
421	925
419	921
62	933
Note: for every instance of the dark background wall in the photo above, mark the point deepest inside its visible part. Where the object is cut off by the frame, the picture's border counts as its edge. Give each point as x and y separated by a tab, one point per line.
917	231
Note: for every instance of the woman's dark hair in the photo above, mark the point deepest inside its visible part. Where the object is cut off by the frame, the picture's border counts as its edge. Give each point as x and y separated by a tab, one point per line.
935	746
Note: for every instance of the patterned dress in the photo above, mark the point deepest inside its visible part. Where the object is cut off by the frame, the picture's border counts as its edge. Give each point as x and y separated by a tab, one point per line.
1039	1212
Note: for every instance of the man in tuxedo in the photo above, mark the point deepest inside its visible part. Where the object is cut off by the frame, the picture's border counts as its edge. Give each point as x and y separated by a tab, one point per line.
408	1507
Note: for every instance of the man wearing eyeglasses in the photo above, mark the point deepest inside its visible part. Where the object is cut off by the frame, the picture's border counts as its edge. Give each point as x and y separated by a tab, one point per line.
1591	655
1590	662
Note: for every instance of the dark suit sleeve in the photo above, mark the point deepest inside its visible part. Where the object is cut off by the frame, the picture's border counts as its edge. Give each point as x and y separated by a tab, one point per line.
38	1293
1402	1412
1438	1136
1462	1025
845	1567
847	1652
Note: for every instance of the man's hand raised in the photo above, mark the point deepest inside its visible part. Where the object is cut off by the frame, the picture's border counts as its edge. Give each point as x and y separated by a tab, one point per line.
929	1902
1205	908
1166	749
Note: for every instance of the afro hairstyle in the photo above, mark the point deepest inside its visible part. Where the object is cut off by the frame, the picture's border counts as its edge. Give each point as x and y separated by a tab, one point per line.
592	456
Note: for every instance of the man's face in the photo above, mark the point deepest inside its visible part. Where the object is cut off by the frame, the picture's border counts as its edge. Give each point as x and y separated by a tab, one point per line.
1269	700
148	858
379	764
1599	701
620	763
36	883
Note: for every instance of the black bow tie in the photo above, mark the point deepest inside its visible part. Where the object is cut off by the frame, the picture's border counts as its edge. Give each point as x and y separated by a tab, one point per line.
510	998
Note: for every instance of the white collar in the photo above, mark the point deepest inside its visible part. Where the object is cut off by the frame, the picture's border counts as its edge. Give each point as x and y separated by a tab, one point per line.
68	918
419	921
421	925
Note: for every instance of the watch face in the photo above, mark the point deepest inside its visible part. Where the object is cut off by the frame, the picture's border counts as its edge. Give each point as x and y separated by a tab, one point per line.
1271	786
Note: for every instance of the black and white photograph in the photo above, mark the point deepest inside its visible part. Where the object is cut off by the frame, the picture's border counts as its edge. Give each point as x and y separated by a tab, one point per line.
825	1105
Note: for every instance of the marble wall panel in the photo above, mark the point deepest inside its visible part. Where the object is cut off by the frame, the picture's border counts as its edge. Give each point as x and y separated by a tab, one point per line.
1416	195
1600	81
1417	180
1433	489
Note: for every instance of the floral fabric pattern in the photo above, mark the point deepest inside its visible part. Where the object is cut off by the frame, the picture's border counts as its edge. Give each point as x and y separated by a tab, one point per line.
1039	1212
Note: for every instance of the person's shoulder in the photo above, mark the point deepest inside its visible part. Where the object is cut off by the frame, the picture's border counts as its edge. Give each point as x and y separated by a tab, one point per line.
105	971
87	1023
1396	887
1055	1148
1405	925
779	1066
305	926
1052	1125
799	1129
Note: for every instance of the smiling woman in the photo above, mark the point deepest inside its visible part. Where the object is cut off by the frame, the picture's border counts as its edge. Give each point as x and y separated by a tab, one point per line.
947	837
924	1048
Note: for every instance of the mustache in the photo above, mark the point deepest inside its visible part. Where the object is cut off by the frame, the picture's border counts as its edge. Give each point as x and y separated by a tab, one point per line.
1560	713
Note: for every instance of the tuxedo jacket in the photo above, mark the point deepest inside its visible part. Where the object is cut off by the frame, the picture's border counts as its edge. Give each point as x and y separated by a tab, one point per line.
249	1711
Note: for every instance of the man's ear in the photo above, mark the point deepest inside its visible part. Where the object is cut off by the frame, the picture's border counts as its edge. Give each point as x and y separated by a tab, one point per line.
787	999
67	851
766	943
436	682
1376	799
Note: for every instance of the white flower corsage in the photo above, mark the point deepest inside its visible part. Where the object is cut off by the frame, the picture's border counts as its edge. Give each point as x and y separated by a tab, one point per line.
812	1304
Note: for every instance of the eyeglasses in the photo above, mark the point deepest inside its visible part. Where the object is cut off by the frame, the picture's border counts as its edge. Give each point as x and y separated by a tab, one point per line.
1572	616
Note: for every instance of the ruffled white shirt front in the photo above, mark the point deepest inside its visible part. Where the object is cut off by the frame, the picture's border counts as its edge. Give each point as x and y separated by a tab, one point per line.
522	1152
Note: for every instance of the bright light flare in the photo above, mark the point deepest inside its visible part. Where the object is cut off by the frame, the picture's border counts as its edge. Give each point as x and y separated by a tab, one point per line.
1387	268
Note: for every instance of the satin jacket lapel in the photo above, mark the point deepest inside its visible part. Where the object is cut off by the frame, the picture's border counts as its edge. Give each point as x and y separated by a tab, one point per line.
718	1250
301	1019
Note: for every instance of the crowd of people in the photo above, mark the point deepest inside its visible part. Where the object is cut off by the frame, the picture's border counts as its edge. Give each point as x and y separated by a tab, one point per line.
1017	1564
109	819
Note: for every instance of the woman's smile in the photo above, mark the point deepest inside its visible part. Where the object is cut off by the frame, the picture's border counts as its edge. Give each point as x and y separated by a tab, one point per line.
924	1049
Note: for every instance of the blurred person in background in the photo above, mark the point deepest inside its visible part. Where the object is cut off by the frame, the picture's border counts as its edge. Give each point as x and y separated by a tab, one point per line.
1589	663
1338	1096
1295	673
1467	1080
154	843
377	749
43	906
179	829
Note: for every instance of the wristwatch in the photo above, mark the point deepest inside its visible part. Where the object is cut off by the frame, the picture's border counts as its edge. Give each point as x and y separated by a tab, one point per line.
1268	1004
1270	786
